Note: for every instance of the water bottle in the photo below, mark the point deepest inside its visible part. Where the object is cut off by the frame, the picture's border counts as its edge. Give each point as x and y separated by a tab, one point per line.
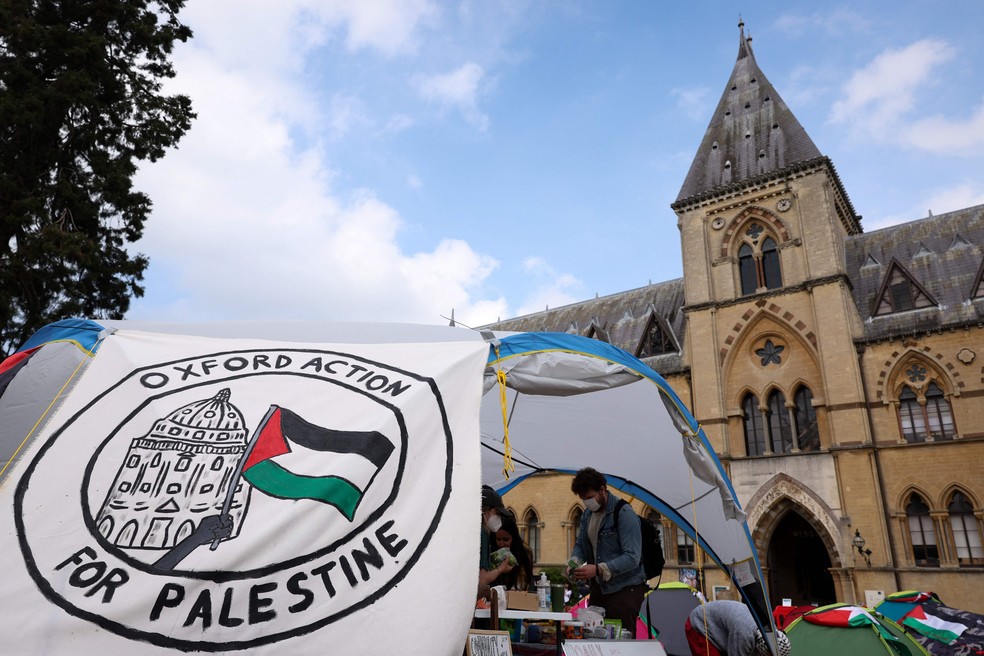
543	592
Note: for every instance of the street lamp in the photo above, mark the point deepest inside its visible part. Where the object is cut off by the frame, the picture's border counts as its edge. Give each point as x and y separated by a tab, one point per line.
858	543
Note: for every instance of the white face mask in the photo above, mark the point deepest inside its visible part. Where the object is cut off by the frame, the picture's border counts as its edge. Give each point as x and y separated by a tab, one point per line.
592	504
493	523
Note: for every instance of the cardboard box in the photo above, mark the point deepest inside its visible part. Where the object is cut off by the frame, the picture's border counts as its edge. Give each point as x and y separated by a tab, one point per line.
516	600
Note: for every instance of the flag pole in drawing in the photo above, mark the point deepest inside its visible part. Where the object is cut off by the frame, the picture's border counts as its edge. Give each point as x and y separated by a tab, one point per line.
291	458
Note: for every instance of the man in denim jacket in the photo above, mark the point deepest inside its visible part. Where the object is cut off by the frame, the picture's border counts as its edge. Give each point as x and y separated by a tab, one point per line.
612	560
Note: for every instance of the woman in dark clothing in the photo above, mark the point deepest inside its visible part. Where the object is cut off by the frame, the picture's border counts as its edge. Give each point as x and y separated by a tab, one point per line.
521	577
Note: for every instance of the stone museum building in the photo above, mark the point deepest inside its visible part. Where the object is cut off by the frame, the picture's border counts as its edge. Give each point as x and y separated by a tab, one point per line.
838	374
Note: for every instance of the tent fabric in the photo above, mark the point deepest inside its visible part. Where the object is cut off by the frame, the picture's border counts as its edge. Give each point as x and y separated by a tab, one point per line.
664	614
37	384
896	605
844	629
639	434
109	390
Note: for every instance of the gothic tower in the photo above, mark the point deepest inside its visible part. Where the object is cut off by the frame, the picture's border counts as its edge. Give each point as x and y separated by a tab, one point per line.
770	323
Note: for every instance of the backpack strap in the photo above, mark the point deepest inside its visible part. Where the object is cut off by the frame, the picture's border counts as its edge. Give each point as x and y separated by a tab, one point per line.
618	511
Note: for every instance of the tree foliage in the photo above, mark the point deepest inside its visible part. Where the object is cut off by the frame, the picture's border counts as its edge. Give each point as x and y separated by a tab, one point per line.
81	104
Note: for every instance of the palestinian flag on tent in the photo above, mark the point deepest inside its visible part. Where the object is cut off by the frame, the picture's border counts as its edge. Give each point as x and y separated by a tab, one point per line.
912	597
843	616
850	617
290	458
932	626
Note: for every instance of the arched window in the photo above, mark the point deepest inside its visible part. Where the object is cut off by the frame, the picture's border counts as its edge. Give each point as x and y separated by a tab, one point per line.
938	415
685	548
574	525
934	420
911	417
807	430
782	433
921	533
532	522
758	261
771	277
966	532
746	267
754	426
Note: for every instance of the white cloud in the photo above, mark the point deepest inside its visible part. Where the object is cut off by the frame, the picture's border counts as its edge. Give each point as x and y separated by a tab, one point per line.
246	223
809	86
693	101
885	89
388	26
548	288
942	135
398	123
939	201
347	113
832	21
458	89
881	102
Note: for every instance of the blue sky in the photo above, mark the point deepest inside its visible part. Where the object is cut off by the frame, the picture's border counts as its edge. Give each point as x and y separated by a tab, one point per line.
394	159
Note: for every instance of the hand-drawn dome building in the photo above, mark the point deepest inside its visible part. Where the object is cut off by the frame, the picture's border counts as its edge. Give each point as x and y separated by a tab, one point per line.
176	474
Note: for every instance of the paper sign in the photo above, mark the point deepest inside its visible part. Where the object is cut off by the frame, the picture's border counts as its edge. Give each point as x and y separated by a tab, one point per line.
488	643
743	573
613	648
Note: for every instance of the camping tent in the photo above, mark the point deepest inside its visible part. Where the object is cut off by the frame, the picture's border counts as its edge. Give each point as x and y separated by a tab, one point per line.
942	630
259	486
664	615
843	629
896	605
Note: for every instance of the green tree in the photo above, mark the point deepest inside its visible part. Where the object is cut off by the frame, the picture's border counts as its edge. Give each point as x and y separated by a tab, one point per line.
80	106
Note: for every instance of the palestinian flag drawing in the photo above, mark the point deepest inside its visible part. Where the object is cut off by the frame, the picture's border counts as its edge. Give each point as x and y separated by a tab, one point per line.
931	626
290	458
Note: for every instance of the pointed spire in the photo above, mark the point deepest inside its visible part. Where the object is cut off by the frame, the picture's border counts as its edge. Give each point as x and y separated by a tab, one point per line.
744	44
452	318
752	131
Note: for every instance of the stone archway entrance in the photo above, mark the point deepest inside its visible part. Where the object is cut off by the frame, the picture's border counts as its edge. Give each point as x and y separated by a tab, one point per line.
799	564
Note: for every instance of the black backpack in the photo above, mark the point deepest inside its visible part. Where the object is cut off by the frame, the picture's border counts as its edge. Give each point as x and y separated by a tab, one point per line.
652	547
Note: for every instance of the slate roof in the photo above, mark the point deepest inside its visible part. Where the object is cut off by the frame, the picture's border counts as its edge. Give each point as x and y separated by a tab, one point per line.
752	132
621	317
943	254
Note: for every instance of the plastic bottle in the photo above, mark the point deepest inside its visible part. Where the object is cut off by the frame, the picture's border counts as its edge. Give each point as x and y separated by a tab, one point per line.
543	592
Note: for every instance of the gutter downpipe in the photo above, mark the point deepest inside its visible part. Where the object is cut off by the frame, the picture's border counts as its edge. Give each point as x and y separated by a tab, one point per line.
878	471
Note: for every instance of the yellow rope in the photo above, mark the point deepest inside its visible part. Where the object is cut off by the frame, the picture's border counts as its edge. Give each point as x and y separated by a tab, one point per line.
44	414
507	461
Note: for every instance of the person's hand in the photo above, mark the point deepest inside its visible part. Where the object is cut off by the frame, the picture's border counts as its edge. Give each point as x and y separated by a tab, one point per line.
585	572
504	567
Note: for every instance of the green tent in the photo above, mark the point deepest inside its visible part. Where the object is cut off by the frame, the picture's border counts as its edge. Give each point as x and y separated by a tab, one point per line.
850	631
664	613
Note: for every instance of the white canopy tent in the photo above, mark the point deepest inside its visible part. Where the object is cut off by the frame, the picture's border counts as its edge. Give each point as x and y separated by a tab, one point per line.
573	402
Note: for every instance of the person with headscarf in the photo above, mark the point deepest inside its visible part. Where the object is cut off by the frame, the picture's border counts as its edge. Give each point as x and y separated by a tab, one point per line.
727	628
